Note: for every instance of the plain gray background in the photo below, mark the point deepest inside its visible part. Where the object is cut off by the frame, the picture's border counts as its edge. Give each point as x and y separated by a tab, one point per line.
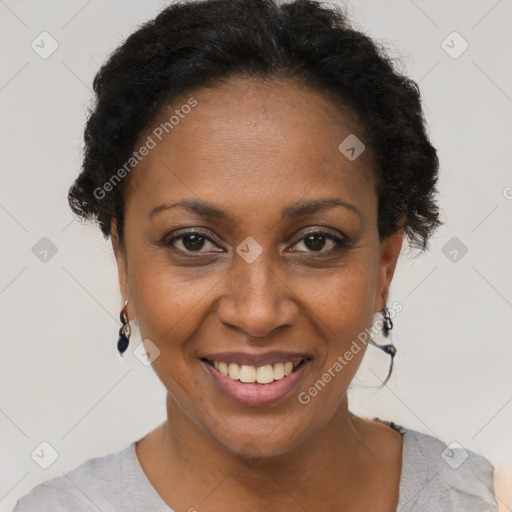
61	378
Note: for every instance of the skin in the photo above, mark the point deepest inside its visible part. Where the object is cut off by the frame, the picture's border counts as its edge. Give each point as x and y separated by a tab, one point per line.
253	148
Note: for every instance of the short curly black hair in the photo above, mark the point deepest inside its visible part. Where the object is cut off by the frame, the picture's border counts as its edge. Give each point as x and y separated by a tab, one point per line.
193	44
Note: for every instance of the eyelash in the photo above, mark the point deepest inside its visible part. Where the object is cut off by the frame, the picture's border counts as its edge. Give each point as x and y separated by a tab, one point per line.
340	243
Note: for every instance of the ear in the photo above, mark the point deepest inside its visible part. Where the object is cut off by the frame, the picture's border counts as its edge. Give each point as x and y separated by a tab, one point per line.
389	252
122	264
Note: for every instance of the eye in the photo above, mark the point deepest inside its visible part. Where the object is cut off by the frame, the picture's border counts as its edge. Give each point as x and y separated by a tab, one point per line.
190	241
321	242
200	242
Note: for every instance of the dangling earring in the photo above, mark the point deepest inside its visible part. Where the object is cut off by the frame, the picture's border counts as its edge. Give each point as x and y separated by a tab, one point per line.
390	349
388	324
125	330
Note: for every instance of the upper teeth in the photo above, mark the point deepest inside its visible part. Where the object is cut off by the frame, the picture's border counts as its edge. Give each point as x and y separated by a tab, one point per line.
261	375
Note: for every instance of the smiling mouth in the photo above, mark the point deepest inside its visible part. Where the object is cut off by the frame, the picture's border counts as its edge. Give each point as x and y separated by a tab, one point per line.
248	374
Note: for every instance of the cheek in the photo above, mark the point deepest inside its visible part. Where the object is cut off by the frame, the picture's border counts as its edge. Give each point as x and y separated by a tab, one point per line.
342	301
168	301
169	311
342	309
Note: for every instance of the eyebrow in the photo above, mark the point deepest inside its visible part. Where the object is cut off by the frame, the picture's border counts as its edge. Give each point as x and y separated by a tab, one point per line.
291	211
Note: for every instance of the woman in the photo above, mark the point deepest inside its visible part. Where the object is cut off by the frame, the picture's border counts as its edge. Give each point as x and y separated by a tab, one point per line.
257	166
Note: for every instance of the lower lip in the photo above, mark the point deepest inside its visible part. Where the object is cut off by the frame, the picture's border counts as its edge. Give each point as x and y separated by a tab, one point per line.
254	394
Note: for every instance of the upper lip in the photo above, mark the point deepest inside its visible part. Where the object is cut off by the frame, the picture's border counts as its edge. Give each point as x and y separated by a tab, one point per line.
244	358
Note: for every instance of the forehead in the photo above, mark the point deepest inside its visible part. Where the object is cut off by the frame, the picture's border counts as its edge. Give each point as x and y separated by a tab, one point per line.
247	140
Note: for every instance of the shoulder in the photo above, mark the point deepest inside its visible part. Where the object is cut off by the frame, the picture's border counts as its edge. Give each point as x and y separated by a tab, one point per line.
88	487
437	476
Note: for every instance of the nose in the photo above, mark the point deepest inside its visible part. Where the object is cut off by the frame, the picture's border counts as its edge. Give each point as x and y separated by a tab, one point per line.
257	300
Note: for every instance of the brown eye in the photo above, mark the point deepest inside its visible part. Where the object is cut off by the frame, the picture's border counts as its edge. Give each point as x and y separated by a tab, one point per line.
315	242
320	242
189	242
193	242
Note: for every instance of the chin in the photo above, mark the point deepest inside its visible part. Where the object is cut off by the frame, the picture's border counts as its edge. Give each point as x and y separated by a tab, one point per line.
259	438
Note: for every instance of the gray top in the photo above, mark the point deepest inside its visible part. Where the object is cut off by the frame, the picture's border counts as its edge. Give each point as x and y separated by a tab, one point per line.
434	478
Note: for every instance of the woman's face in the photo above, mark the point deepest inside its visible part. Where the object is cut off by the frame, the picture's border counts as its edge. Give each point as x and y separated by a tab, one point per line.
285	257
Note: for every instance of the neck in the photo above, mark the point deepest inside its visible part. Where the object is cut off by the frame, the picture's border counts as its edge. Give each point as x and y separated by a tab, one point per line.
333	458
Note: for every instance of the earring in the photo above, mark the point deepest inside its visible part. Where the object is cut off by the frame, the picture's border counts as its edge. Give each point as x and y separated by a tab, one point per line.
389	349
125	330
388	324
